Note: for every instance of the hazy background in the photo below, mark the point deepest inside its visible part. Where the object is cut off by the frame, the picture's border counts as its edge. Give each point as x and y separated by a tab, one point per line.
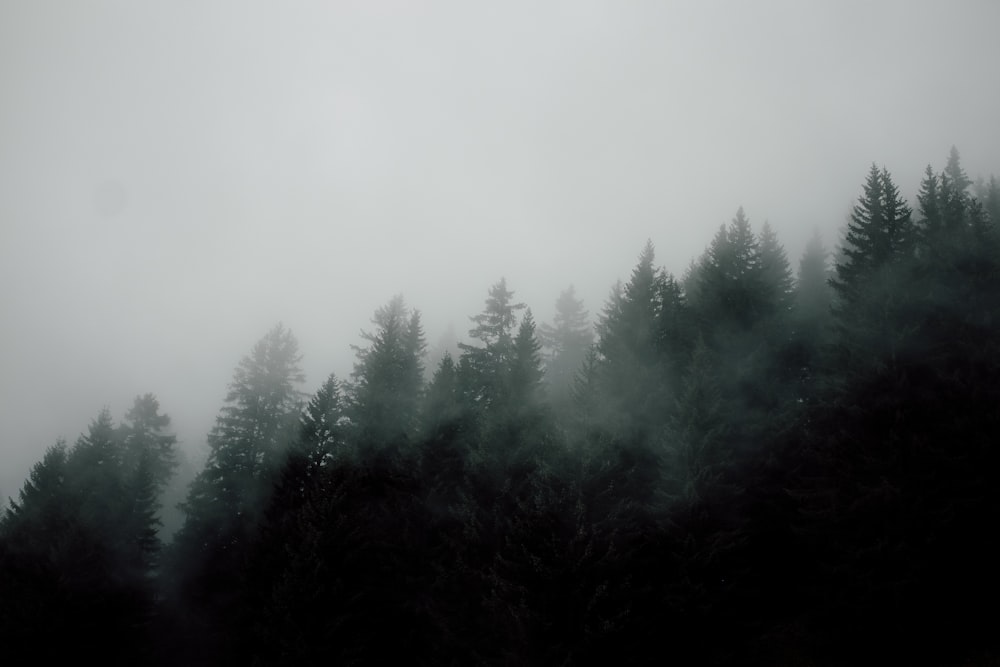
175	178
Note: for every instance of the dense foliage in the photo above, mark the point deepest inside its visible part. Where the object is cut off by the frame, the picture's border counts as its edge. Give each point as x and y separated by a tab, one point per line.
739	466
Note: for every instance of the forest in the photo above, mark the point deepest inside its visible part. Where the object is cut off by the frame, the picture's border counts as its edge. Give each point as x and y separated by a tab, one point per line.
749	463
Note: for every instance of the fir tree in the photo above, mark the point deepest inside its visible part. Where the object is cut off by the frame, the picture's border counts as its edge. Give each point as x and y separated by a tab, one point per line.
385	391
486	366
226	501
879	236
631	363
775	274
566	342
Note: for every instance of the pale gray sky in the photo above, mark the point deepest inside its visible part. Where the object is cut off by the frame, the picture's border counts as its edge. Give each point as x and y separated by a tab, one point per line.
176	177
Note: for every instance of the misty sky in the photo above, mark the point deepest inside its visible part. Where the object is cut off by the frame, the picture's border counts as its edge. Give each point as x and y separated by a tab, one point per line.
175	178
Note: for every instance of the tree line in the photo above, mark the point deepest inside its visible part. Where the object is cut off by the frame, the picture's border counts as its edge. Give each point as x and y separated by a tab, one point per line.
744	464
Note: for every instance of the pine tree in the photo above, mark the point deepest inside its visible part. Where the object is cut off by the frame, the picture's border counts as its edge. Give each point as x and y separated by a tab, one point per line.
442	401
385	391
259	421
991	201
879	236
632	380
693	447
775	274
485	367
147	442
37	549
322	430
730	296
44	495
226	501
954	196
929	207
525	374
812	320
566	342
83	539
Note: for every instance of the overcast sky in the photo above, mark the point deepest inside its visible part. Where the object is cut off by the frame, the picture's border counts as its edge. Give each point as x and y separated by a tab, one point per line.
177	177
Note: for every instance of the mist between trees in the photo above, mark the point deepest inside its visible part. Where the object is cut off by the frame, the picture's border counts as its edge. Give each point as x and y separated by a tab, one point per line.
744	464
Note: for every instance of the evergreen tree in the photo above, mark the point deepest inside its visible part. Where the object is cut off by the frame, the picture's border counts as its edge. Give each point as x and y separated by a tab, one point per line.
730	295
587	406
385	392
775	274
149	448
226	501
37	550
250	437
812	320
321	423
442	400
83	542
485	367
693	442
631	364
953	194
566	342
526	374
991	201
43	497
929	207
879	236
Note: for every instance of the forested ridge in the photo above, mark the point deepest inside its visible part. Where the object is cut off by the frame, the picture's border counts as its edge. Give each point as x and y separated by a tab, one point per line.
748	463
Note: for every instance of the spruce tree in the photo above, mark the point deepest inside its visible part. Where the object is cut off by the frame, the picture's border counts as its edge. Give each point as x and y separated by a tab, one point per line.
485	367
632	381
775	274
880	236
226	502
385	389
566	342
322	429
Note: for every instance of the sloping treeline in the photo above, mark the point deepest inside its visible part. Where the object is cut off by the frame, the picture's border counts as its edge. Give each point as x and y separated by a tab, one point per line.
737	466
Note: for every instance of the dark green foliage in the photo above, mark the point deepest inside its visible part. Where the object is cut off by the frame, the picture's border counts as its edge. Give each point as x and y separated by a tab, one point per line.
729	292
385	392
631	340
566	342
991	202
147	442
486	366
775	274
226	501
322	423
880	235
79	549
811	319
525	378
749	470
442	400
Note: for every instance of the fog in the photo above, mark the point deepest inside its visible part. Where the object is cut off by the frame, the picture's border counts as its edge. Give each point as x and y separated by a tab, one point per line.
177	178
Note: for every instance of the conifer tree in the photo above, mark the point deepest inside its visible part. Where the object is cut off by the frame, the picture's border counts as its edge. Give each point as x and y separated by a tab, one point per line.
879	236
929	207
442	400
566	342
147	441
225	504
385	391
991	202
812	317
775	274
730	296
631	364
485	367
321	423
526	374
